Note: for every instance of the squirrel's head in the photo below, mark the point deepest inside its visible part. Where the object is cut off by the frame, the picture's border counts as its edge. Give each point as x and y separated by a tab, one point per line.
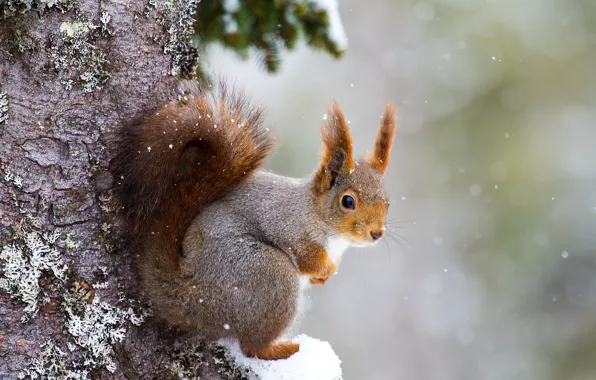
349	195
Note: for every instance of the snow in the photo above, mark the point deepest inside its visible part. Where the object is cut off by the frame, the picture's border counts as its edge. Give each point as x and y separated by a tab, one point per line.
315	361
231	6
231	26
336	28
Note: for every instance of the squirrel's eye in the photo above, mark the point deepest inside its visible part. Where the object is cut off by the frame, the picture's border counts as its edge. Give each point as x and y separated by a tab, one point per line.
348	202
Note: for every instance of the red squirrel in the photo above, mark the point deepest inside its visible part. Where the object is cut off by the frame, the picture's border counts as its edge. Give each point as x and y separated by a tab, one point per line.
225	250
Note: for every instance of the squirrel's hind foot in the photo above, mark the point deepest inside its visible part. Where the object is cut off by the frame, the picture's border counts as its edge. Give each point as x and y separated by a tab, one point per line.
275	351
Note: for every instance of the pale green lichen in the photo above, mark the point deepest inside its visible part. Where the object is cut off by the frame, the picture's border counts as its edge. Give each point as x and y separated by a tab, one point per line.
14	179
226	364
82	29
10	8
94	326
188	362
71	244
178	18
78	58
51	364
3	107
95	330
23	263
107	203
77	28
104	24
23	42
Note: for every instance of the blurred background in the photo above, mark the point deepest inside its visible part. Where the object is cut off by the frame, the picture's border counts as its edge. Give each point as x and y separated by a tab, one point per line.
489	271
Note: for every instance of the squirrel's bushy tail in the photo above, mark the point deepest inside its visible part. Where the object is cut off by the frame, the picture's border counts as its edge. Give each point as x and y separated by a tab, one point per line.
175	161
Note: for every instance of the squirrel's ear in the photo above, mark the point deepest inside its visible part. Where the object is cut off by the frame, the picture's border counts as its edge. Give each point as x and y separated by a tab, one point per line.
380	158
337	150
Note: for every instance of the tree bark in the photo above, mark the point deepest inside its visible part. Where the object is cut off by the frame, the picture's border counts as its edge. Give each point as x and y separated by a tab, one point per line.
72	73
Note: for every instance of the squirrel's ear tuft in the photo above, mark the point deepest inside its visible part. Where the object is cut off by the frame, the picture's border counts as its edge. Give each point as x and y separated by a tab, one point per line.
380	158
337	150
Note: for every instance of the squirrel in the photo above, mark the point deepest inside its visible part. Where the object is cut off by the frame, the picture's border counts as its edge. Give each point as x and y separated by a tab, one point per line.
225	250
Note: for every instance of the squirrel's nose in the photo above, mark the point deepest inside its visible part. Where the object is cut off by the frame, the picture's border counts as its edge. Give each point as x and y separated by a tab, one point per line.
376	235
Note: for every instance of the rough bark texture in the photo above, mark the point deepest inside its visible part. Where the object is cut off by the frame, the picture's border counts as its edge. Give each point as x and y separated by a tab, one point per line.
72	74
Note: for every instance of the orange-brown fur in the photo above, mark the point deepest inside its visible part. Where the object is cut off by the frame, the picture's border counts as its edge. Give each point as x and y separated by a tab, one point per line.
371	217
276	351
314	262
336	140
380	158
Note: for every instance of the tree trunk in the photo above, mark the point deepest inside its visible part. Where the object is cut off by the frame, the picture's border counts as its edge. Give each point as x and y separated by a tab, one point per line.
71	74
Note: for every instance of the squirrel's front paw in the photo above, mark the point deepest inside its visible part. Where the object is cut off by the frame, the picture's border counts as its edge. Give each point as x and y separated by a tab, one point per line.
328	268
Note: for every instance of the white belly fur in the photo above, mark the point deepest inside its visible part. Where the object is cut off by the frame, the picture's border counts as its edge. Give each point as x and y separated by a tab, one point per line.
303	298
335	248
302	305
